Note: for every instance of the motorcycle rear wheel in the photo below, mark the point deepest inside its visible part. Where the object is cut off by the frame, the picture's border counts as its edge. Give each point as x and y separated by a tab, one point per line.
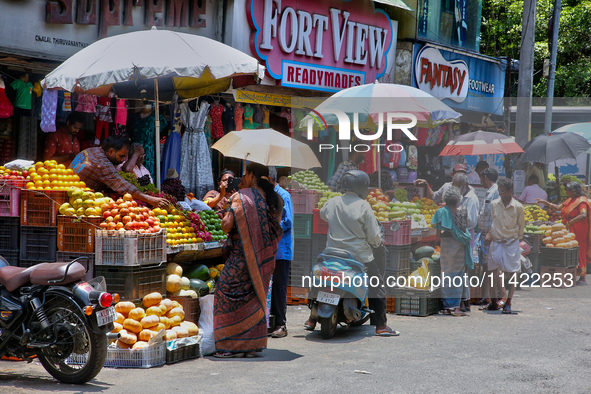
328	325
362	321
84	365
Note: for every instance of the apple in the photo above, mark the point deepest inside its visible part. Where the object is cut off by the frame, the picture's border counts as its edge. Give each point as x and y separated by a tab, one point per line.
119	226
104	225
107	214
110	219
114	212
126	219
157	228
117	218
134	203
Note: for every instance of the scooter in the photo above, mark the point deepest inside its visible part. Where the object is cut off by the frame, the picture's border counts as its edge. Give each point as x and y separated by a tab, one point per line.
338	292
48	311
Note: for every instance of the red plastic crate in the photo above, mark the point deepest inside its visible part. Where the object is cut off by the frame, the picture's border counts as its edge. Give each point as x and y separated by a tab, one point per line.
400	237
319	226
40	208
10	196
304	201
76	234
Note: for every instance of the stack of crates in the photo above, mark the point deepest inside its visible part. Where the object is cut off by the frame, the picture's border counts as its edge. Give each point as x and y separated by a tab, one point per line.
10	195
558	267
304	202
38	232
75	239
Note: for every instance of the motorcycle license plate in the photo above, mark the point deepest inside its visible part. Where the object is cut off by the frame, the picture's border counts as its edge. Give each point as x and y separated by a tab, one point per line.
106	316
328	298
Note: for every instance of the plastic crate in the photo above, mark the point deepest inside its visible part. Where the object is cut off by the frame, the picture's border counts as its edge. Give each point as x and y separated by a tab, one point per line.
397	257
129	248
9	233
302	251
304	201
40	208
297	270
559	257
302	225
411	302
190	306
565	277
147	357
399	237
319	226
10	197
11	256
76	234
30	263
66	257
38	243
391	279
318	245
535	259
535	240
183	353
133	283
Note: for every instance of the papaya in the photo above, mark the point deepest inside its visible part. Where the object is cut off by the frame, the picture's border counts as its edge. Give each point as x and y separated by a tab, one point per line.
424	251
199	271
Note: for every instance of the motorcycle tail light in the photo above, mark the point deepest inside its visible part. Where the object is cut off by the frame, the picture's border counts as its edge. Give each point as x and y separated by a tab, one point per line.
105	300
115	298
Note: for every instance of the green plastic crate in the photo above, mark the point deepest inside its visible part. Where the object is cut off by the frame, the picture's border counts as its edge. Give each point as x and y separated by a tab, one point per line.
417	302
302	225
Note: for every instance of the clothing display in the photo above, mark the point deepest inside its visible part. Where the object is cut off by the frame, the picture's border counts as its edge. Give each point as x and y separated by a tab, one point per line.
228	119
86	103
121	112
5	104
23	90
49	111
144	129
266	116
217	127
196	168
257	117
171	156
103	117
248	123
238	112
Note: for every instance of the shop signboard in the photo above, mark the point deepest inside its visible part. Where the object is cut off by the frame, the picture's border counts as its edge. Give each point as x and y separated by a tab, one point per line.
321	45
57	29
461	80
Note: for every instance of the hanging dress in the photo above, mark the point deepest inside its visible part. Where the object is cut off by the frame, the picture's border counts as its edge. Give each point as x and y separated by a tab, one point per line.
144	133
171	157
238	111
217	127
248	123
5	104
196	172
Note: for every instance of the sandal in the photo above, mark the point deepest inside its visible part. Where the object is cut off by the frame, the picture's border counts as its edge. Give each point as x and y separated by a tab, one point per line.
457	314
507	310
481	302
308	326
388	333
228	355
250	355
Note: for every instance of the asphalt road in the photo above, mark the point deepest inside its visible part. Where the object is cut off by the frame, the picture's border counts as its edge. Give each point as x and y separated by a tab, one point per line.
545	348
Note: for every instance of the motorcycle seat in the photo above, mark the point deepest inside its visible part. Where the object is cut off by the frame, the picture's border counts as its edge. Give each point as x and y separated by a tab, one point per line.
55	271
14	277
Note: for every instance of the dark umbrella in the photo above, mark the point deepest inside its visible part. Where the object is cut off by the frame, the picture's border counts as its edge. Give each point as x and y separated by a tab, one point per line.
548	148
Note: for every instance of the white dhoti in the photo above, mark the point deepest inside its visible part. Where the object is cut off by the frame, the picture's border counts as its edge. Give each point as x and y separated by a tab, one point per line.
505	256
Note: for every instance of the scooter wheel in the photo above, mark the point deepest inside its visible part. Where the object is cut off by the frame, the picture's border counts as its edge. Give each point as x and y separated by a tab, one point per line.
328	325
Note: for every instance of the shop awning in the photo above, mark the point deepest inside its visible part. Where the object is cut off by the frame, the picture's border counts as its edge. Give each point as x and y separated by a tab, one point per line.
395	3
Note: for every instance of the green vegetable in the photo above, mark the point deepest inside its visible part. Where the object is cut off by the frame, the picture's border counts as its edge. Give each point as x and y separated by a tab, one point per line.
423	252
199	271
199	286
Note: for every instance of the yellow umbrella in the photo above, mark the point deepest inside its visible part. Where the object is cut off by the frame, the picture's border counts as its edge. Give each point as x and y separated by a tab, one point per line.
267	147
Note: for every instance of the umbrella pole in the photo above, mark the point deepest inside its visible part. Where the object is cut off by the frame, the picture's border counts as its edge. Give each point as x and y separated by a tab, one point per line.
157	136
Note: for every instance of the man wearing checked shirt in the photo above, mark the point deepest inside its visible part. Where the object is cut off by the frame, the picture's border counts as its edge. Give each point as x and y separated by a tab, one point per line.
352	163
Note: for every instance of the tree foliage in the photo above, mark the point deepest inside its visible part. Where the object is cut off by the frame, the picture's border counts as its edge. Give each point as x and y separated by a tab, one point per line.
501	36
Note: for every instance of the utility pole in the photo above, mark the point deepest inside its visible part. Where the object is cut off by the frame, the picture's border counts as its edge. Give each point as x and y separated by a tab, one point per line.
553	50
526	71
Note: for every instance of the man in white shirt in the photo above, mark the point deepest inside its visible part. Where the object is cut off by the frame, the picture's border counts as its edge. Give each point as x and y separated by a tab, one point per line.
533	192
353	227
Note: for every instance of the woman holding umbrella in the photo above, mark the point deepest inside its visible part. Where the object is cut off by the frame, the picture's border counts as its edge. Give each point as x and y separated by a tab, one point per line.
577	219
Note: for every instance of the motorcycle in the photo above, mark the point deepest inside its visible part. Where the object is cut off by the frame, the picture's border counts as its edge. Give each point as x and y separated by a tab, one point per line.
48	311
338	292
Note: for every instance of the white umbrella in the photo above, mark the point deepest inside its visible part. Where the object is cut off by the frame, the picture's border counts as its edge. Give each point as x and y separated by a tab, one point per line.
146	64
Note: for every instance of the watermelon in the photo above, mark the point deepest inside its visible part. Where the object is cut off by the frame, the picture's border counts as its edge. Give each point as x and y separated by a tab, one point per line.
200	287
424	251
199	271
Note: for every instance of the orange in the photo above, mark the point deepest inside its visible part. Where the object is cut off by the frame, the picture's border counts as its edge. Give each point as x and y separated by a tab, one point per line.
69	171
30	185
61	166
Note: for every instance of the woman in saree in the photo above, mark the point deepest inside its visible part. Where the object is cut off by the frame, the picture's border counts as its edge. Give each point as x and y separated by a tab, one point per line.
451	223
240	306
577	219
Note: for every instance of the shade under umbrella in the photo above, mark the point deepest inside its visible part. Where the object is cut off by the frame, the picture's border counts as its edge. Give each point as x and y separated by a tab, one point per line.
267	147
548	148
481	143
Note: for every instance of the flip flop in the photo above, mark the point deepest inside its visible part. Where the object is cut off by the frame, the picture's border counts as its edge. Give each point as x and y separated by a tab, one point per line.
309	327
390	333
228	355
455	314
507	310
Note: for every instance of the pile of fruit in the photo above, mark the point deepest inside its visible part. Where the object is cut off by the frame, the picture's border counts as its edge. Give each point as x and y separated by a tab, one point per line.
414	210
179	230
327	196
531	229
401	195
198	280
126	214
556	236
137	325
379	204
7	173
427	208
213	224
553	216
84	203
309	180
49	175
534	213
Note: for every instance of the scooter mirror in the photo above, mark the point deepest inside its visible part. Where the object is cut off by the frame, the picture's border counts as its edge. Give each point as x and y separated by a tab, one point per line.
395	226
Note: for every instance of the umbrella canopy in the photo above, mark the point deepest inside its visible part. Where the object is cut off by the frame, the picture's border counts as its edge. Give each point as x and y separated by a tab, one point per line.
481	143
582	129
548	148
267	147
373	99
189	64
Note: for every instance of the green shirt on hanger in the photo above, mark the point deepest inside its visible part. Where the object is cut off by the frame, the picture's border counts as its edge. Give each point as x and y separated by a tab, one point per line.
23	93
